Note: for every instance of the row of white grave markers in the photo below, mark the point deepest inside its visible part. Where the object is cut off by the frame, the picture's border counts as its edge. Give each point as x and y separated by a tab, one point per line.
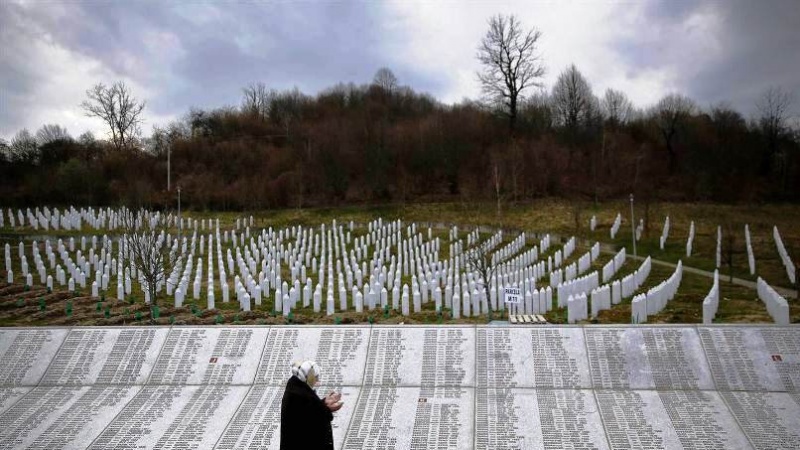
690	240
711	302
615	226
573	294
269	252
751	260
656	298
777	307
577	308
631	282
719	247
612	266
601	298
534	302
576	287
101	218
787	261
664	233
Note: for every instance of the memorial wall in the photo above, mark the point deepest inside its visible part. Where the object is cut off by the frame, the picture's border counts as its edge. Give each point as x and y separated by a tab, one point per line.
405	387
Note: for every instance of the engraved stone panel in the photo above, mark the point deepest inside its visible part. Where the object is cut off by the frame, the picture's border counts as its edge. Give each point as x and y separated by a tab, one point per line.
86	418
745	358
256	423
29	416
26	353
414	356
209	356
647	358
106	356
389	417
340	352
531	357
172	417
771	420
542	418
668	419
10	395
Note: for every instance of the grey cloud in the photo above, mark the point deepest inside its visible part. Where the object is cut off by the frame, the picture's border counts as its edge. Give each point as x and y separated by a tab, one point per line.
284	44
760	47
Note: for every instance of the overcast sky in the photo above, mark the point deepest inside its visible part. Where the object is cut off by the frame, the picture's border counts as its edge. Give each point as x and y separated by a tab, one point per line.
179	54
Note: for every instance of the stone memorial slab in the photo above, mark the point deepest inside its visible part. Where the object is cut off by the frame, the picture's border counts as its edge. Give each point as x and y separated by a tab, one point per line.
537	418
26	354
194	355
105	356
10	395
389	417
340	351
85	418
418	356
771	420
173	417
405	386
647	358
33	413
531	357
256	423
645	419
753	359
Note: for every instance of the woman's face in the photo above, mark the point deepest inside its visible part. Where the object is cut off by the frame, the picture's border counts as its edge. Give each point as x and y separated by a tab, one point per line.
313	379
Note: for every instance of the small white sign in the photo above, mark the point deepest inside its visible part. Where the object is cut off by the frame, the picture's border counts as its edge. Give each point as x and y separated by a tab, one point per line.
512	295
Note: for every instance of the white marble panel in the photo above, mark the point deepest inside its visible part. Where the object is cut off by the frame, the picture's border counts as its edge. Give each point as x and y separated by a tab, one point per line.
535	419
196	355
84	419
340	352
26	354
257	422
417	418
680	419
10	395
647	358
771	420
531	357
414	356
105	355
173	417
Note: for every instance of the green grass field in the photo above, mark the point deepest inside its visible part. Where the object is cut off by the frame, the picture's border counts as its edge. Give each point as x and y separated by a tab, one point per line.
737	303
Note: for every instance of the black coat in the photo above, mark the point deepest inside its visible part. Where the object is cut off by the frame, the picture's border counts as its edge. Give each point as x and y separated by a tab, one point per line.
305	420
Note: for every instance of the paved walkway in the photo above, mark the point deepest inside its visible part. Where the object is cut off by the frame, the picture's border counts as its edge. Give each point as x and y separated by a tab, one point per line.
786	293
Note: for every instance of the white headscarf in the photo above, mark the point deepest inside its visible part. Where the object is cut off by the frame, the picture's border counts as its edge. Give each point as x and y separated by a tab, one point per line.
302	370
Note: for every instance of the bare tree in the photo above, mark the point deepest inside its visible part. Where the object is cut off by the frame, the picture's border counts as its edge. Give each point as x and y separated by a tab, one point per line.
121	112
774	109
23	148
146	248
670	115
50	133
572	99
479	261
256	100
510	63
617	109
385	79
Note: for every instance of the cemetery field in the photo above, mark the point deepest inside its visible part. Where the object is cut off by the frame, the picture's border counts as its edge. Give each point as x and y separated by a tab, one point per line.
459	224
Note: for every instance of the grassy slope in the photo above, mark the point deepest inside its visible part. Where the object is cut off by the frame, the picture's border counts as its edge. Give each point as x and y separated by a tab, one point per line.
737	304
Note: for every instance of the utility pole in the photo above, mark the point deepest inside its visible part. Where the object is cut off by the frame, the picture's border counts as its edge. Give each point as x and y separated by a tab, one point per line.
633	228
180	224
169	156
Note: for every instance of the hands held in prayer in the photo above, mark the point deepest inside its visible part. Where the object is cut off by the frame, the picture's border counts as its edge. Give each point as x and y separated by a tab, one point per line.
333	401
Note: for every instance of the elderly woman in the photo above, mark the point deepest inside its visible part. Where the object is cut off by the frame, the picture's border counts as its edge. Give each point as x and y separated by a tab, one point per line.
306	418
